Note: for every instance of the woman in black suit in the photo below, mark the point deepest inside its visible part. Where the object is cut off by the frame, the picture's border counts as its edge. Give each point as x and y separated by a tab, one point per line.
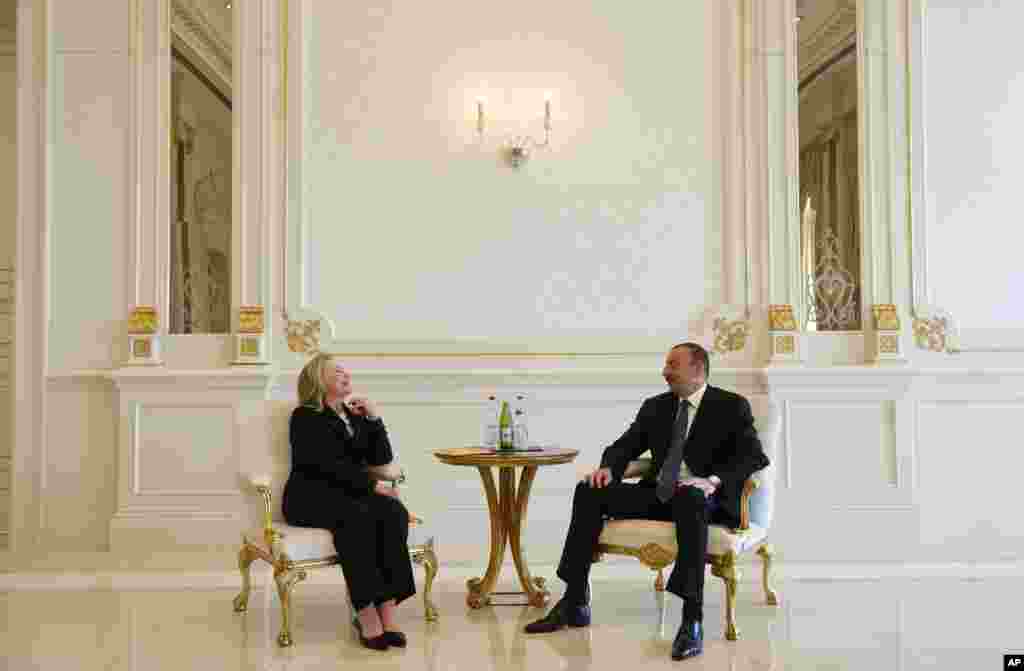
334	436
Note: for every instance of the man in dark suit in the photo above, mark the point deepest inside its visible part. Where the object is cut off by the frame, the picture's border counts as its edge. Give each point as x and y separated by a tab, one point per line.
704	447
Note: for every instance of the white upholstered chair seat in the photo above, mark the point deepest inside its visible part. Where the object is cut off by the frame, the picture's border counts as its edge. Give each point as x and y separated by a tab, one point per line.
308	543
637	533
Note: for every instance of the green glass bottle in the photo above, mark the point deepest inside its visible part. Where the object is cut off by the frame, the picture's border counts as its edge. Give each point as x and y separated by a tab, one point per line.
505	427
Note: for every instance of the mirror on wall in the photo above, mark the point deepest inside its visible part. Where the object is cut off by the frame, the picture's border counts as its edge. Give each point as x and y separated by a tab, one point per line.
201	160
830	237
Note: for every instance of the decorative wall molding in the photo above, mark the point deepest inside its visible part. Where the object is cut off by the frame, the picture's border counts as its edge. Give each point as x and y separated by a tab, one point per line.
191	25
935	329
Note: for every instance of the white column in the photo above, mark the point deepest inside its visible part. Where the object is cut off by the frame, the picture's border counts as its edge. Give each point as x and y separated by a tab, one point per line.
732	149
31	287
881	53
150	157
776	281
258	148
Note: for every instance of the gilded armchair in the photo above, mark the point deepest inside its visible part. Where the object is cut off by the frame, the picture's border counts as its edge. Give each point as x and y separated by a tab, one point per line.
653	542
292	551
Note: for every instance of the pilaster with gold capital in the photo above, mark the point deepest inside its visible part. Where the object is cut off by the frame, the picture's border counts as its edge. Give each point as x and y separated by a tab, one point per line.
143	337
251	339
784	335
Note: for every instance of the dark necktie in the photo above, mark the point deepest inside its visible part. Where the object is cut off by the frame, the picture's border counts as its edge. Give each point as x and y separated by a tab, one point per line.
670	469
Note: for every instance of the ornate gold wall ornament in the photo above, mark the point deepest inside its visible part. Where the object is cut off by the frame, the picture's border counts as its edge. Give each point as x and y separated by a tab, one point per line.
785	344
143	320
142	348
886	317
730	335
888	344
780	318
303	336
932	333
833	304
250	319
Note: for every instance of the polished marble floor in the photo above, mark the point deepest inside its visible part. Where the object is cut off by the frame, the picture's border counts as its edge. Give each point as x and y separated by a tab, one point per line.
890	624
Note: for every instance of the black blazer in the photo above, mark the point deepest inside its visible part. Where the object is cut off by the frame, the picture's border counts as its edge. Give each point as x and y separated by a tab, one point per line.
327	462
722	441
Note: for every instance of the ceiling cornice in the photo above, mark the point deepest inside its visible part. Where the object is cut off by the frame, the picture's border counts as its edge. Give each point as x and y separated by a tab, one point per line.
192	26
836	33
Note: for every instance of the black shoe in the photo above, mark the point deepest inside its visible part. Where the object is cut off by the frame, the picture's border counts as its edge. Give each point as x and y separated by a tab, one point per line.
562	614
396	639
375	643
689	641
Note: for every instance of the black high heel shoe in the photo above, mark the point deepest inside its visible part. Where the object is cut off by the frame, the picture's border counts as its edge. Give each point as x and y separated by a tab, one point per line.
376	643
396	639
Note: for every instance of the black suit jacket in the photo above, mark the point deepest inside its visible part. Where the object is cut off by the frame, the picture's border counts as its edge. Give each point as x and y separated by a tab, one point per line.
722	441
327	462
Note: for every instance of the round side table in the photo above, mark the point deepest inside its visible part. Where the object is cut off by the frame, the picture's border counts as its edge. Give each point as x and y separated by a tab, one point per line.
507	506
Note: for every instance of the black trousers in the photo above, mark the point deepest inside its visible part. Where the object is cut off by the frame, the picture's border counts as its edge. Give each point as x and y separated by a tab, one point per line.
371	536
688	508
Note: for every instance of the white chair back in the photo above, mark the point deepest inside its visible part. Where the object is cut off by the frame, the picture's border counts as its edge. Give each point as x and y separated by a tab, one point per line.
769	430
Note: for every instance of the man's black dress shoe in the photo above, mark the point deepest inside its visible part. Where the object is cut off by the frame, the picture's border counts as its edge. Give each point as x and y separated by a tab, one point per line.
689	641
562	614
395	639
375	643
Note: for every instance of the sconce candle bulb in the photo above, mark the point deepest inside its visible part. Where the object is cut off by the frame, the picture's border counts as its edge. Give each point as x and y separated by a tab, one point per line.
480	115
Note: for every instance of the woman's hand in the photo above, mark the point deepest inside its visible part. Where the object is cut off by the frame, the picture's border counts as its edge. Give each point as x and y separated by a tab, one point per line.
360	405
384	489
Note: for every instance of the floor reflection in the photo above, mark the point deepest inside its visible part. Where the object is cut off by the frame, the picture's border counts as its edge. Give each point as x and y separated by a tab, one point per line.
843	625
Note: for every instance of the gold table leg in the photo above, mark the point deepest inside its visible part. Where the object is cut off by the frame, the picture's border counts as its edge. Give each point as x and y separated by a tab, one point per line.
507	512
534	587
480	588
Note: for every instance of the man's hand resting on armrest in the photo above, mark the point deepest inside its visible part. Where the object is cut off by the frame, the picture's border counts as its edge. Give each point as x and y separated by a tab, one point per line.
383	488
599	478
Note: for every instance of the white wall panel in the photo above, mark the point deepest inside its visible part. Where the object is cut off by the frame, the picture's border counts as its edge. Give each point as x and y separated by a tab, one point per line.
184	450
973	98
854	439
969	468
414	235
90	197
80	471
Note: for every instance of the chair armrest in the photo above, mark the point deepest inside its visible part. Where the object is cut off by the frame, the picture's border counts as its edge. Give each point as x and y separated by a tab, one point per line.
261	483
392	472
749	486
637	469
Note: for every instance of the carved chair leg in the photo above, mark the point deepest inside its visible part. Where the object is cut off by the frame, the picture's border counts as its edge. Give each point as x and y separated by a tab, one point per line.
245	559
766	552
426	557
724	567
659	582
286	579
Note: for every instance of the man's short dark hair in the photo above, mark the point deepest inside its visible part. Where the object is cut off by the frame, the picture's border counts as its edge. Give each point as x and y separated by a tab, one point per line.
700	354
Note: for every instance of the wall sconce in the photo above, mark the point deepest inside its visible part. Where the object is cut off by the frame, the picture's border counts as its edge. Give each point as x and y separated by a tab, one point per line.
516	150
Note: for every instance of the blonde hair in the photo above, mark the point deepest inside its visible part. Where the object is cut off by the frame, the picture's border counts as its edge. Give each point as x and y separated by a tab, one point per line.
312	389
